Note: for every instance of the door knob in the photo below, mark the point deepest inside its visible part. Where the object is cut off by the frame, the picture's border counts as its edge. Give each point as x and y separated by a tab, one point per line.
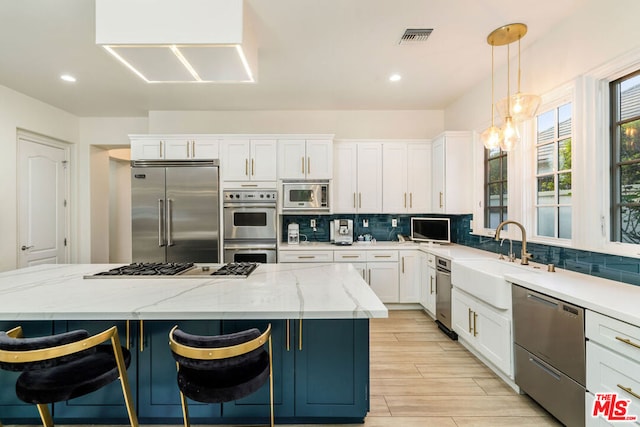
24	248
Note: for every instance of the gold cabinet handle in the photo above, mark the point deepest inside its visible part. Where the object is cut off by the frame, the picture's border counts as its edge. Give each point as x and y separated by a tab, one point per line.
302	169
300	337
629	390
475	329
405	200
128	327
253	167
141	336
402	265
354	200
431	284
382	256
410	200
441	198
369	282
161	151
628	341
193	149
288	336
350	256
308	165
306	256
469	321
246	167
360	201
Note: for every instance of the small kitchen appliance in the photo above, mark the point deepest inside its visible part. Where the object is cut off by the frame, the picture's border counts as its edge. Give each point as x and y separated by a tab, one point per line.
343	231
293	233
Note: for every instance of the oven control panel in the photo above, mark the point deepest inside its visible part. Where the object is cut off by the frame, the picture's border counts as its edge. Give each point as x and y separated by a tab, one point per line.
240	196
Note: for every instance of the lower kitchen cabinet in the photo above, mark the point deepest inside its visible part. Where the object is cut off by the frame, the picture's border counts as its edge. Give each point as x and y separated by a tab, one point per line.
383	279
410	276
13	409
484	329
332	368
428	283
320	366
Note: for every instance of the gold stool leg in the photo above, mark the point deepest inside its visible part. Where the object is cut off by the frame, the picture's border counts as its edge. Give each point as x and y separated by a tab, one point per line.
185	410
45	416
271	381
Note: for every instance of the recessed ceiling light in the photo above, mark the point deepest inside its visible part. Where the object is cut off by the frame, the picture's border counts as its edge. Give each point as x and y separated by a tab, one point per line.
395	77
68	78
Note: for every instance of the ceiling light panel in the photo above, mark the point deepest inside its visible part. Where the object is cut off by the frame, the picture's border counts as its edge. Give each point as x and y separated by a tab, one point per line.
217	63
155	63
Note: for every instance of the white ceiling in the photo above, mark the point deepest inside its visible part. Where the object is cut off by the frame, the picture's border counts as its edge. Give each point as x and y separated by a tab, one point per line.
312	55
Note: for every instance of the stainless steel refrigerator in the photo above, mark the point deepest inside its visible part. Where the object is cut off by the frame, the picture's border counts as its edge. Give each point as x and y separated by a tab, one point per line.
175	211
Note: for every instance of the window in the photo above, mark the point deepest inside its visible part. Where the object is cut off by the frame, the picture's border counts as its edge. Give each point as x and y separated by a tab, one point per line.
625	159
495	166
553	172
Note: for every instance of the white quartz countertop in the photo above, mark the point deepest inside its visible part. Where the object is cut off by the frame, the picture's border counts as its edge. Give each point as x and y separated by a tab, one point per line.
272	291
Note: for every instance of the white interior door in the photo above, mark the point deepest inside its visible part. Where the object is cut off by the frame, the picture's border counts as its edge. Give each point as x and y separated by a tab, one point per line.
42	200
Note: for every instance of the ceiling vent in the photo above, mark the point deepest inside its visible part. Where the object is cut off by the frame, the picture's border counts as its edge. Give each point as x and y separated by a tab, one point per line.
415	35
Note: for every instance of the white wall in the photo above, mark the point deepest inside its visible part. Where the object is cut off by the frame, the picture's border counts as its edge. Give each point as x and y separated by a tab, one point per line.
18	111
400	124
596	34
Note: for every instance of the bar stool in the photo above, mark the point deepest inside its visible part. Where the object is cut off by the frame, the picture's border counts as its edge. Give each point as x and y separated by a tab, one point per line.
221	368
60	367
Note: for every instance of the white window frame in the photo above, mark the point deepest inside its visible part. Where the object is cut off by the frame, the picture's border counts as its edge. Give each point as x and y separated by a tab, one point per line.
560	98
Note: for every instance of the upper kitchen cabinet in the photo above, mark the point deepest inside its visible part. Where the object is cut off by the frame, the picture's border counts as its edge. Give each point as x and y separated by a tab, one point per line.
248	160
305	159
173	147
357	183
451	172
406	171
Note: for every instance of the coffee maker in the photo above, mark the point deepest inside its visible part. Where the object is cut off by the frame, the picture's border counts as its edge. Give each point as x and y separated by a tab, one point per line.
293	233
342	231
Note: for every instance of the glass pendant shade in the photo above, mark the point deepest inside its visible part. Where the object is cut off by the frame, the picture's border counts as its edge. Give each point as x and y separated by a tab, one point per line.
491	137
510	135
523	106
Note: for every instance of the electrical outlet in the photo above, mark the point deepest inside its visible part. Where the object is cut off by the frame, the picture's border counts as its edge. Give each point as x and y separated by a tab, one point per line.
365	223
394	222
313	223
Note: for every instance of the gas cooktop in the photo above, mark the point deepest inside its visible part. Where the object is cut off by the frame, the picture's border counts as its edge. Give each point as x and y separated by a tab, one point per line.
177	270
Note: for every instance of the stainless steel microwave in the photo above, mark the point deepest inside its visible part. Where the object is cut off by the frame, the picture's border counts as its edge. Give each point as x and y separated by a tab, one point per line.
305	196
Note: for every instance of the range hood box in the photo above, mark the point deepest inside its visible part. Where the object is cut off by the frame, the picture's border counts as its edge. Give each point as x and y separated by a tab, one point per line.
214	36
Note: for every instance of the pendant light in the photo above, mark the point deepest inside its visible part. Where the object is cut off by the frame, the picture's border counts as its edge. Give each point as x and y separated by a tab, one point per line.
493	135
506	35
523	105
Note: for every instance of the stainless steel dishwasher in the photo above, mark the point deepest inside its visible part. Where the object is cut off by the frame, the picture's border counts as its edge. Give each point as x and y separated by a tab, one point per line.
550	353
443	297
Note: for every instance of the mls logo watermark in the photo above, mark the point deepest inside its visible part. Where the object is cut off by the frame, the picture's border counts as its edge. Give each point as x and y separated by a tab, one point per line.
611	408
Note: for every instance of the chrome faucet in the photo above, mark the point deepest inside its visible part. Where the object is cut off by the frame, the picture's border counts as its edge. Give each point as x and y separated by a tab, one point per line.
524	255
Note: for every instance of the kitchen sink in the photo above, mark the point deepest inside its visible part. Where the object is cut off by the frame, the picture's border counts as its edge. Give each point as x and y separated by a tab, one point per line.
484	278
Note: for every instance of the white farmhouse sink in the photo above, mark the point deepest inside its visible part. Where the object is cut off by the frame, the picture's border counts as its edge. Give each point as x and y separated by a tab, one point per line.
484	278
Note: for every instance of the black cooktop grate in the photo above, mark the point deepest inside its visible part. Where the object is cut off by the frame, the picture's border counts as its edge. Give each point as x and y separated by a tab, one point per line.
148	269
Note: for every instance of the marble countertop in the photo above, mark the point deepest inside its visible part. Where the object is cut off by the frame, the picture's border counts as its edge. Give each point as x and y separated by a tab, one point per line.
272	291
608	297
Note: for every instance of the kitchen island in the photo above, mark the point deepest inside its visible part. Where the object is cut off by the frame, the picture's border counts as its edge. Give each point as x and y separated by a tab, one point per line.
319	315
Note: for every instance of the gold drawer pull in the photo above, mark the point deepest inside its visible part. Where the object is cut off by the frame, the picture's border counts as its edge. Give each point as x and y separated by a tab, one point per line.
306	256
628	341
350	256
629	390
382	256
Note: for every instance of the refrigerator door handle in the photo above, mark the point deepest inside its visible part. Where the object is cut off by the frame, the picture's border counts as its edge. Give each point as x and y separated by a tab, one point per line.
160	227
169	221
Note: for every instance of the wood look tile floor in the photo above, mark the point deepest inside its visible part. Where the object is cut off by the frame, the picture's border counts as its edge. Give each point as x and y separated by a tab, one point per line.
421	378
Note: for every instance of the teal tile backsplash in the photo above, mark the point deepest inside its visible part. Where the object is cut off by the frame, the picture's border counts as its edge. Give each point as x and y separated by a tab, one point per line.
619	268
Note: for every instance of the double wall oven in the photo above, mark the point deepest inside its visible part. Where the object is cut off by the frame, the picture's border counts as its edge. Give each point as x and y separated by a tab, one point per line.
250	225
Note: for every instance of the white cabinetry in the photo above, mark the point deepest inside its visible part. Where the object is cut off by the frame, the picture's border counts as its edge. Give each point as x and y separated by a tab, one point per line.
410	276
357	258
357	177
305	256
484	328
173	147
305	159
406	177
248	160
613	362
452	166
428	284
382	274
